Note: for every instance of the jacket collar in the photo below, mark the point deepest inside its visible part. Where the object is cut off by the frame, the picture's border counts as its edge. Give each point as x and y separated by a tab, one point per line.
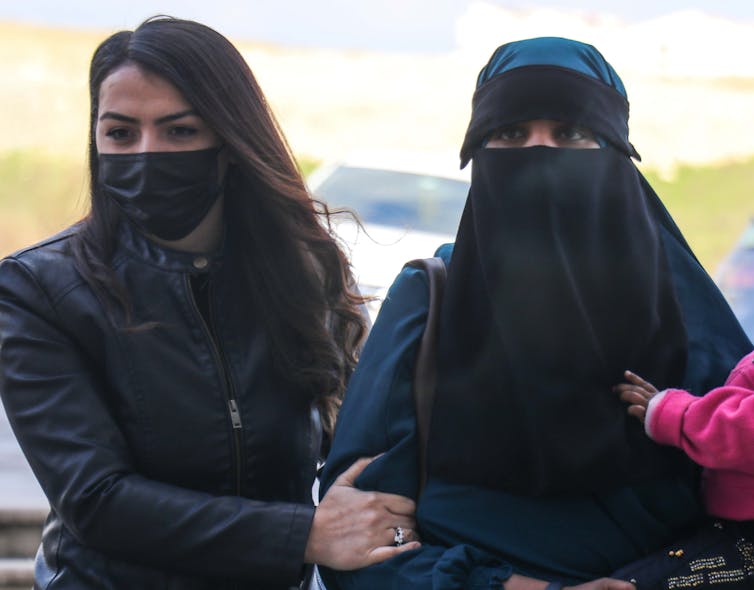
134	244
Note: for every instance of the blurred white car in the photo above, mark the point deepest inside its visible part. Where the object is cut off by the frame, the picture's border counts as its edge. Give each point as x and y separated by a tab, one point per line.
735	277
408	206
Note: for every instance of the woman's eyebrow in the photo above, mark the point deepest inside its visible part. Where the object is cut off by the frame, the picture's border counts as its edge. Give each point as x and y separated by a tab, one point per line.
117	117
158	121
174	116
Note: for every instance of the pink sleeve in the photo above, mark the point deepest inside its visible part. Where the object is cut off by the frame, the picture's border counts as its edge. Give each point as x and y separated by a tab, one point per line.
743	373
716	430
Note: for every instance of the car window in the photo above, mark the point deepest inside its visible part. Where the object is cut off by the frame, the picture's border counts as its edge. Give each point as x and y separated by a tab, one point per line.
401	199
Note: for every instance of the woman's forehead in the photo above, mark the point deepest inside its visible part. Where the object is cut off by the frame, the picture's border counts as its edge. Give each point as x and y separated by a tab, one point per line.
131	87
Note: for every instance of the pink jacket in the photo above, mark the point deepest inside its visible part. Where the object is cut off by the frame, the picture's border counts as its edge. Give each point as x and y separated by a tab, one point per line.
717	432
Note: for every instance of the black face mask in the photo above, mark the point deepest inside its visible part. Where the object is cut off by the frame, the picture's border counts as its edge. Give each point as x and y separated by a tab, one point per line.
559	282
166	194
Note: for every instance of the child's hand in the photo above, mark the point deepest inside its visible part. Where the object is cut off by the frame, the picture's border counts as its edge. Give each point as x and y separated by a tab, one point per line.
636	393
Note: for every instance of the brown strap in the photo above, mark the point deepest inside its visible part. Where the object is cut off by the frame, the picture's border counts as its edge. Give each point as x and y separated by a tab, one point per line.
425	367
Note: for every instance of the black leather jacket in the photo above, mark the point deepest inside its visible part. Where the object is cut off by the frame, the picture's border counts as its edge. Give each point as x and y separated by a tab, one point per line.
173	457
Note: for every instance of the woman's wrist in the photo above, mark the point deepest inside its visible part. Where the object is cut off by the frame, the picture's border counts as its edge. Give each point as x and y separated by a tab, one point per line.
519	582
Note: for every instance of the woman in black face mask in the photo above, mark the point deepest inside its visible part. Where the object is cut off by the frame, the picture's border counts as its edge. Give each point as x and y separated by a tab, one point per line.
171	365
566	269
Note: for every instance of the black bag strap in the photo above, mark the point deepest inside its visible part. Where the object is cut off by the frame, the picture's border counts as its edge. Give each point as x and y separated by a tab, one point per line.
425	366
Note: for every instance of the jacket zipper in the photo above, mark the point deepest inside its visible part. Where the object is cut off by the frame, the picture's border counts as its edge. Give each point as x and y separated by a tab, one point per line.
228	390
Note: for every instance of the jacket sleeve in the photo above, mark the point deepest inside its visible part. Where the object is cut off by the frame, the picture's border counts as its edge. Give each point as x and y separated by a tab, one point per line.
715	430
378	417
56	402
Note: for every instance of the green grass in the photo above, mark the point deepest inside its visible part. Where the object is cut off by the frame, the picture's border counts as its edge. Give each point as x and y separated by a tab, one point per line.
307	164
42	193
711	205
39	195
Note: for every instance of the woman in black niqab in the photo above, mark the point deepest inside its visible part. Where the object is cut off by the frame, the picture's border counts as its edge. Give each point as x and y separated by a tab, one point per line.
561	279
567	270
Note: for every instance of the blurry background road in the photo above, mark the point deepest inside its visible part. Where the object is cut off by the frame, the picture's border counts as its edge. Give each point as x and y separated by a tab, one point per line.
18	488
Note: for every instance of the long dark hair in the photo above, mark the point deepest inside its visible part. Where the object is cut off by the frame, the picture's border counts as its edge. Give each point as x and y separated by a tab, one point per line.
293	269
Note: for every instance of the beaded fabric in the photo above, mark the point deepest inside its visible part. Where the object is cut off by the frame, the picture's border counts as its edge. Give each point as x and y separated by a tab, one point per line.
718	557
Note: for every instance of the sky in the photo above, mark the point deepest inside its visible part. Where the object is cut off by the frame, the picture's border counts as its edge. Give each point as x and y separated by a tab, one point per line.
386	25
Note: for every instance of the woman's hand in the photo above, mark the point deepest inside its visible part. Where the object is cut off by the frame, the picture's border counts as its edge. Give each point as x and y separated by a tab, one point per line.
353	529
636	393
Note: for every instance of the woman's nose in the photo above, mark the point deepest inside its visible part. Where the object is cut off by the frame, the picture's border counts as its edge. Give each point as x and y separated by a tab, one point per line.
540	136
149	141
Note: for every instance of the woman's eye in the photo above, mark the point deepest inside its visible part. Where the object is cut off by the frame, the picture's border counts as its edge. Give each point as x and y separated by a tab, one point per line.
511	133
573	133
182	131
118	133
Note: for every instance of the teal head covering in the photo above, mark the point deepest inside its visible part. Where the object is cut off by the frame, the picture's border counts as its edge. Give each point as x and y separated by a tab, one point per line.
549	78
552	51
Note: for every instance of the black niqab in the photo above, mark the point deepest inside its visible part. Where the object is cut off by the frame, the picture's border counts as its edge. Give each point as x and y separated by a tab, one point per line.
559	282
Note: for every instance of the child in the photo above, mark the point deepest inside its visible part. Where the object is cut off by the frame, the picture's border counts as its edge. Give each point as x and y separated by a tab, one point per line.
717	432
